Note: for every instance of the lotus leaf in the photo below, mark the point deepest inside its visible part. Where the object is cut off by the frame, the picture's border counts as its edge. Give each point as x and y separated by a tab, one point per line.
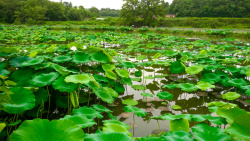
179	125
149	138
62	101
170	53
113	127
88	112
110	74
230	95
215	120
4	72
221	104
16	62
127	65
237	82
195	69
101	108
63	86
100	78
32	62
176	67
117	122
176	107
44	79
122	73
210	77
177	136
248	72
125	81
119	87
135	110
104	95
232	69
203	132
112	136
41	96
204	85
147	94
164	95
130	102
81	58
108	67
170	86
61	59
62	70
99	57
80	78
2	126
240	127
81	121
136	79
151	45
174	117
138	73
139	87
230	113
22	77
22	100
44	130
187	87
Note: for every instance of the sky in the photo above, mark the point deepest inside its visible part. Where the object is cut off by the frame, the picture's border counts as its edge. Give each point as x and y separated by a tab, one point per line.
113	4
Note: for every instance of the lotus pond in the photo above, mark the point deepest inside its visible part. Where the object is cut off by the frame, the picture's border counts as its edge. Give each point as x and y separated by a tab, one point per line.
116	86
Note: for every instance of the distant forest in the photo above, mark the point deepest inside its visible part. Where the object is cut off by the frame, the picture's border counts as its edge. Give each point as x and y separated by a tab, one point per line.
22	11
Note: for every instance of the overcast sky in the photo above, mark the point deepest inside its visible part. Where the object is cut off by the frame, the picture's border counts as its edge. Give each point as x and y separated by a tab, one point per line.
113	4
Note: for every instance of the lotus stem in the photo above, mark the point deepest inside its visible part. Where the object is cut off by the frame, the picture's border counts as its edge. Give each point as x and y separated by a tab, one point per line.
49	101
88	98
159	125
133	125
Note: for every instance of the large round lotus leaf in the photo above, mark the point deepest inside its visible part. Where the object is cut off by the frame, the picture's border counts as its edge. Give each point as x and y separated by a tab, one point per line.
170	53
88	112
211	78
215	120
81	121
127	81
204	132
127	64
177	136
204	85
108	136
237	82
117	122
122	73
135	110
22	77
113	127
248	72
16	62
230	113
164	95
4	72
138	73
170	86
119	87
2	65
108	67
101	108
44	130
147	94
112	92
80	78
32	62
22	100
63	86
139	87
81	58
130	102
151	139
195	69
176	67
230	95
100	57
110	74
41	96
100	78
179	125
240	127
104	95
61	59
232	69
44	79
187	87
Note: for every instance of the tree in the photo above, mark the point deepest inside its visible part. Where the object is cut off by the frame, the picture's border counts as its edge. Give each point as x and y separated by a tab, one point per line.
94	12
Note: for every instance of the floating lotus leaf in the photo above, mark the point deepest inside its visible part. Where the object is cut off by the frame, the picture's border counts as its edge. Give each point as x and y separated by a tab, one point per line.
16	62
107	136
99	57
230	95
81	121
81	58
221	104
164	95
79	78
135	110
147	94
104	95
130	102
215	120
203	132
139	87
44	130
101	108
44	79
210	77
173	117
237	82
176	67
179	125
122	73
176	107
230	113
61	59
170	86
22	100
204	85
127	64
170	53
187	87
108	67
88	112
32	62
63	86
195	69
112	92
177	136
240	127
110	74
